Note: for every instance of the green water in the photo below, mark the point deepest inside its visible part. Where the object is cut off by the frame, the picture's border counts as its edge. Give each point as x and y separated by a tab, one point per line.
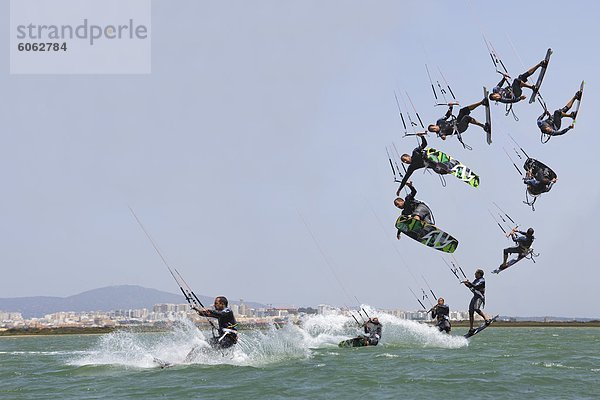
413	362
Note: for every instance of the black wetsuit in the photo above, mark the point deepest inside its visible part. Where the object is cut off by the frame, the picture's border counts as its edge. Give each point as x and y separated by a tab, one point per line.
442	313
373	332
449	125
227	328
417	161
508	94
413	207
478	289
553	122
511	94
538	184
523	242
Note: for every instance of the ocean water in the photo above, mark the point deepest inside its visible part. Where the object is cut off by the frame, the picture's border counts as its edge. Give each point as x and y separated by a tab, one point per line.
413	361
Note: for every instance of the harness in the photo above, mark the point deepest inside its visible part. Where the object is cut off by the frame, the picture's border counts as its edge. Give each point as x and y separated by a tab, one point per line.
454	123
534	196
418	203
531	255
228	331
542	102
529	202
509	109
509	106
550	121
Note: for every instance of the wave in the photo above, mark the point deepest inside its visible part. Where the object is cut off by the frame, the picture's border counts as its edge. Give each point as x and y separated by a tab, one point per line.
255	347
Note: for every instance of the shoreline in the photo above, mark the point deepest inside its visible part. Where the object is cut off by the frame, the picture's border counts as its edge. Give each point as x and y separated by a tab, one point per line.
104	330
533	324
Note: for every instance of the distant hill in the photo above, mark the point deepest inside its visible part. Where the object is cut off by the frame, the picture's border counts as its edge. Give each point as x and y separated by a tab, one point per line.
109	298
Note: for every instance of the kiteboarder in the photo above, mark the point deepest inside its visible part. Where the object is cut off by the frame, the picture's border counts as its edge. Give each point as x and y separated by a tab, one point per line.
551	125
412	207
418	160
537	183
441	312
514	93
450	125
477	287
523	242
372	328
227	325
370	337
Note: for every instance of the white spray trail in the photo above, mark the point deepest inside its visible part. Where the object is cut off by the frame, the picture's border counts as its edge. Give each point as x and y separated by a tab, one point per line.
257	347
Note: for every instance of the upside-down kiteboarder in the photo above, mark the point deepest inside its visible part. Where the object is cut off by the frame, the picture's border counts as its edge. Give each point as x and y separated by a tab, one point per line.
551	125
512	92
456	125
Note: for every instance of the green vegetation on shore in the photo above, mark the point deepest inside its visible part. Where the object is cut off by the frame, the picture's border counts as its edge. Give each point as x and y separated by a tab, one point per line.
54	331
534	324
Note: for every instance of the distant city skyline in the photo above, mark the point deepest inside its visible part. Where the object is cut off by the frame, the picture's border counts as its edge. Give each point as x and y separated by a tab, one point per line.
166	311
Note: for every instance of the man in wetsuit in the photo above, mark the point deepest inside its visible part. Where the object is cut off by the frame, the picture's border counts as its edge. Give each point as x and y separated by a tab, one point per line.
372	328
514	93
450	125
441	312
537	183
227	324
417	161
551	125
412	207
477	287
523	242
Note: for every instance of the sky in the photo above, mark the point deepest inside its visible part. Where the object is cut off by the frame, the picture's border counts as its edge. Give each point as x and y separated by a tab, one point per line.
257	115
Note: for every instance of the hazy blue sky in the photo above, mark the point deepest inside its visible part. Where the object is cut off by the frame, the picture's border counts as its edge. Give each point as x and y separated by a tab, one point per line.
257	110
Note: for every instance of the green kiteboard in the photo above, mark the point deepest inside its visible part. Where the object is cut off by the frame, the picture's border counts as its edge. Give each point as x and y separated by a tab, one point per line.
429	235
456	168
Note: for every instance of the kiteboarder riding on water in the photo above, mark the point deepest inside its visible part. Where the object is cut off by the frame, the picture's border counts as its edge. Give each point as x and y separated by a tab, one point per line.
551	125
441	311
412	207
514	93
372	328
478	300
227	324
523	241
417	161
450	125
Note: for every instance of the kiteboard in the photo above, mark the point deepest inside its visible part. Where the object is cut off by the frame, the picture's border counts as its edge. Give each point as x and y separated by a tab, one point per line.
427	234
162	364
540	171
488	115
578	102
540	78
508	264
481	327
354	342
456	168
530	253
